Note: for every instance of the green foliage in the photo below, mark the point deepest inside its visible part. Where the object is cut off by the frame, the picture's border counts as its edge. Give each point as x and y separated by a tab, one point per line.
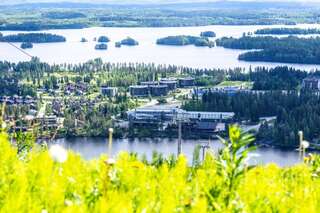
196	156
231	162
208	34
287	31
75	16
294	111
24	141
33	38
63	15
220	184
185	40
26	45
103	39
129	41
286	50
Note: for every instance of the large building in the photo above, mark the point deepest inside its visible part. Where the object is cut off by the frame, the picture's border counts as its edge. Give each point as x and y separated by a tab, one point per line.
109	91
186	82
139	91
202	121
172	84
148	88
159	90
149	83
311	83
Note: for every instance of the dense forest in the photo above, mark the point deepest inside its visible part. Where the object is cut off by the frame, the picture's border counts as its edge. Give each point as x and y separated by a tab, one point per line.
33	38
37	26
278	78
286	50
295	111
129	42
268	86
126	74
101	46
72	15
26	45
185	40
103	39
287	31
208	34
63	15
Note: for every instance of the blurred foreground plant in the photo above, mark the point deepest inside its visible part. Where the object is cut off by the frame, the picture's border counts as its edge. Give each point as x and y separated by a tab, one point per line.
232	161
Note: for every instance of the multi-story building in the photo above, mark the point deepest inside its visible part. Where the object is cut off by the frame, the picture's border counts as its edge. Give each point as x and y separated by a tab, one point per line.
186	82
311	83
109	91
159	90
172	84
139	91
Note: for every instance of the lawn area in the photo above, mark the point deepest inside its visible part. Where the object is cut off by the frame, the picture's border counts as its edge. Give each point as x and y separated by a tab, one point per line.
244	84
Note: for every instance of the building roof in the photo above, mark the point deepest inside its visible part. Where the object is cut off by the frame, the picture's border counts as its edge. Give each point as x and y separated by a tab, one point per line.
139	87
159	86
168	81
186	79
312	78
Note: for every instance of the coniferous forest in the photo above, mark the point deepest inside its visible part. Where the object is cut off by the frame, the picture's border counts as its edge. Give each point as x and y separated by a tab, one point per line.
272	49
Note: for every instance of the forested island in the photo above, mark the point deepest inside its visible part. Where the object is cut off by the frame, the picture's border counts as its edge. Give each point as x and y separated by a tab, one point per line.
287	31
26	45
33	38
183	40
129	42
103	39
271	49
101	46
209	34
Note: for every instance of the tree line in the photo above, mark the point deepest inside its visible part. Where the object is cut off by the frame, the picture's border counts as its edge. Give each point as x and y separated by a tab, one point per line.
294	110
287	31
182	40
33	38
272	49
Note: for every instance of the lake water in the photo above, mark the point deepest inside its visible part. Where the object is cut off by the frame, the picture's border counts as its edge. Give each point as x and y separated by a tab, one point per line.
73	51
91	148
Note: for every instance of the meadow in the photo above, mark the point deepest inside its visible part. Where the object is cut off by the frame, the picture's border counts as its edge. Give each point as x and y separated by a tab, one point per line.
37	180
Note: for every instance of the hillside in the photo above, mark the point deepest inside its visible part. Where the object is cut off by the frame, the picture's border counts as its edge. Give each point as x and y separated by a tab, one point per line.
36	181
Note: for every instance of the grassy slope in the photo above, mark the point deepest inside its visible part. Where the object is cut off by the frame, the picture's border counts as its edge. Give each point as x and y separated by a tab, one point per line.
35	183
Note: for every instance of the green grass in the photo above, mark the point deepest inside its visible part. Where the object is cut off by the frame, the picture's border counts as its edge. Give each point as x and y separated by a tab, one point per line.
244	84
